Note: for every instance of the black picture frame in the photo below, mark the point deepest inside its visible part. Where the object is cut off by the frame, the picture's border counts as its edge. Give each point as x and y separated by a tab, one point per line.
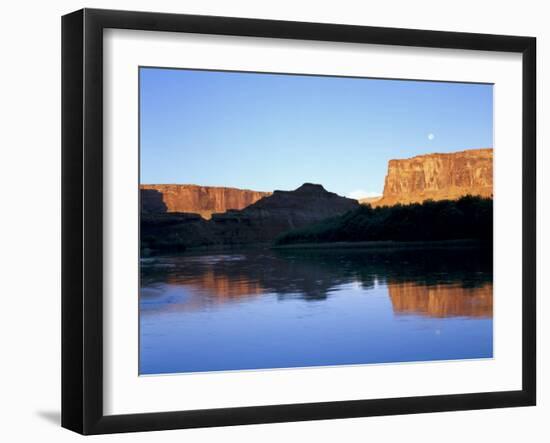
82	218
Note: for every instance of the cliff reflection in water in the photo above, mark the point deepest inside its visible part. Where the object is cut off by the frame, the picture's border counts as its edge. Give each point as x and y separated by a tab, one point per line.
438	283
442	300
258	309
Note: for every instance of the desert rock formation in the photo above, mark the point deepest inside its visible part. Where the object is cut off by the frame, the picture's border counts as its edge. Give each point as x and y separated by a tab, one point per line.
285	210
438	177
203	200
259	222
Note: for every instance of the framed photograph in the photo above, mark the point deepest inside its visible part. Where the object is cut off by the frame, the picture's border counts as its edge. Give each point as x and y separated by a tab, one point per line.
268	221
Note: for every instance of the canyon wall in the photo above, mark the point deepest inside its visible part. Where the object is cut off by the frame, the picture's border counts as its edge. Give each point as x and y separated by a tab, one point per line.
438	177
259	222
203	200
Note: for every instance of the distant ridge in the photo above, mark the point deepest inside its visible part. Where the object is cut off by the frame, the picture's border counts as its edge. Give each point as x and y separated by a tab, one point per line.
284	210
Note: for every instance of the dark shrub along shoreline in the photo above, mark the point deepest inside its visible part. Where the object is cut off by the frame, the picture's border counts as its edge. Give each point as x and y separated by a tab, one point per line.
469	217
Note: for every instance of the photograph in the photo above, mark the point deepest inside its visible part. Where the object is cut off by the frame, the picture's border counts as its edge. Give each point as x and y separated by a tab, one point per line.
294	220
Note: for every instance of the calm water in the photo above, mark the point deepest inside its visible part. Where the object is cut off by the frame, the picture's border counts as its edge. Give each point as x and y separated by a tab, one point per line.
255	309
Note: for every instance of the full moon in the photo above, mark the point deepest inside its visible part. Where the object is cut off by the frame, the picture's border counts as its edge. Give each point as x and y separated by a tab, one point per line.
431	136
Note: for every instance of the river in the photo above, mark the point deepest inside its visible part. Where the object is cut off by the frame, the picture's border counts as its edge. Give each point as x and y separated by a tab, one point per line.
263	308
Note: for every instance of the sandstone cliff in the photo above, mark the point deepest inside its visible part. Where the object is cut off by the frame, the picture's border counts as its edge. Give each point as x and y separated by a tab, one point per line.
259	222
203	200
369	200
438	177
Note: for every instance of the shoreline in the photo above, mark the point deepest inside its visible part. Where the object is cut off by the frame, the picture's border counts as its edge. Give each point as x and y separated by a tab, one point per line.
384	244
371	245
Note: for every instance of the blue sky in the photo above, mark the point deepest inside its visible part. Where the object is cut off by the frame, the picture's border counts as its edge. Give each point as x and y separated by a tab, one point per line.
273	131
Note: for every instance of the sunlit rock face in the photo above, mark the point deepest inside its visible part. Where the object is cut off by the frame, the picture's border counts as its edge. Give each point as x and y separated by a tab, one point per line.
438	177
442	300
370	200
203	200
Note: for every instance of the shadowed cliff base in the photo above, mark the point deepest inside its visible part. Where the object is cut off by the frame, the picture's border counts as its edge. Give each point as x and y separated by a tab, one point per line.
257	223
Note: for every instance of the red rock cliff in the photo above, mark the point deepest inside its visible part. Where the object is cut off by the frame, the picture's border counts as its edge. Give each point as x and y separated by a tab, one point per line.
203	200
259	222
439	177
